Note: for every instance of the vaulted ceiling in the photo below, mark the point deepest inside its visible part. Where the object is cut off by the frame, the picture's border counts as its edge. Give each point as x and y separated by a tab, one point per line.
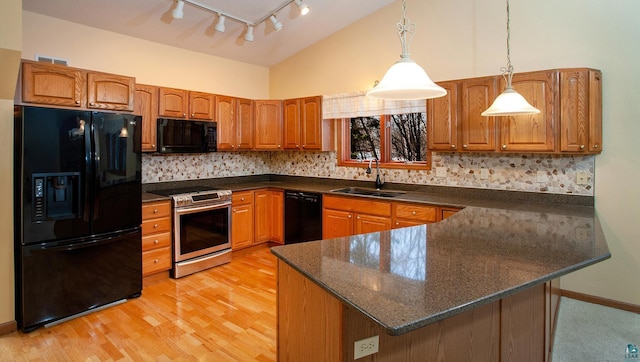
152	20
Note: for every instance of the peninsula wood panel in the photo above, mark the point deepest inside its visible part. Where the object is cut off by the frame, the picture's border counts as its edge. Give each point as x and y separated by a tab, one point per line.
522	325
309	319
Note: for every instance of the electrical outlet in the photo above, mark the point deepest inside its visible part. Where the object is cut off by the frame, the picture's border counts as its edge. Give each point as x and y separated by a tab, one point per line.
441	172
484	173
365	347
582	177
541	176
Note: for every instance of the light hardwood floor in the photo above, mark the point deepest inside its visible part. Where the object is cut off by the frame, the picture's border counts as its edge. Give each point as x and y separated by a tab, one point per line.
227	313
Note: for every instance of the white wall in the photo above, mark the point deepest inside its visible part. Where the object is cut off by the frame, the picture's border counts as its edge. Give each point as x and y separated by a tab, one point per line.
467	38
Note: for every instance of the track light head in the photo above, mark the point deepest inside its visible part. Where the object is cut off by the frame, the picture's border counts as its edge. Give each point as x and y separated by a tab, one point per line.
220	24
248	36
276	24
302	7
178	12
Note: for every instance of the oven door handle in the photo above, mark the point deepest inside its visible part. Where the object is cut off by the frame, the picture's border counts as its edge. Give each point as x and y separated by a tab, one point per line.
191	210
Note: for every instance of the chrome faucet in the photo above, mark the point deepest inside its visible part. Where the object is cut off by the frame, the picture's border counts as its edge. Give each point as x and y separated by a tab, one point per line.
379	181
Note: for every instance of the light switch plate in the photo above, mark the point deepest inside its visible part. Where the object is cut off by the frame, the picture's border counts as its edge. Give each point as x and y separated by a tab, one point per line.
582	178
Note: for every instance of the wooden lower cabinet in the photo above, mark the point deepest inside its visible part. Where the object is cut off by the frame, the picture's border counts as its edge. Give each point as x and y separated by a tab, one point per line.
445	212
156	237
408	214
257	217
344	216
313	325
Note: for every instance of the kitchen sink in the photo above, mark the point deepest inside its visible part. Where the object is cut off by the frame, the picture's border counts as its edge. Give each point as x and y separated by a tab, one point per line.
368	192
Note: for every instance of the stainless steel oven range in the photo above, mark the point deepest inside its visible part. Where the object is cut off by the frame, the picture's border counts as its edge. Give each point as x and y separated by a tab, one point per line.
201	228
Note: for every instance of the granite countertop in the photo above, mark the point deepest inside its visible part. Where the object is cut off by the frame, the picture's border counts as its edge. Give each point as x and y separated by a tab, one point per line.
501	243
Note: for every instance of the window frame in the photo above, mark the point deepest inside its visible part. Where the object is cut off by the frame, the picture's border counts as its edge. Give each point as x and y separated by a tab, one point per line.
344	148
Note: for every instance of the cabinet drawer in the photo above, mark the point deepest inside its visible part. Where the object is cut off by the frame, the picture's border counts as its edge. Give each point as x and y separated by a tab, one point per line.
156	226
357	204
157	260
416	212
155	241
241	198
154	210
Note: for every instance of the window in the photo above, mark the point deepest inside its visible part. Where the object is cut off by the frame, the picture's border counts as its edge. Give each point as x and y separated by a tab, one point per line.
398	141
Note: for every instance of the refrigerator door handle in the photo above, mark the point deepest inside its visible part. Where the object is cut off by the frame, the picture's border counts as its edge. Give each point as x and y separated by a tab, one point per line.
44	248
88	130
96	182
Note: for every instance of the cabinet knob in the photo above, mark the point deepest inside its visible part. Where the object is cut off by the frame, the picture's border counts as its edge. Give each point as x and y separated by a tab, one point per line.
234	210
581	147
156	261
184	115
303	146
465	146
349	217
278	146
193	114
413	213
397	223
155	211
595	146
453	146
156	242
77	102
155	226
153	145
92	104
242	199
504	147
358	218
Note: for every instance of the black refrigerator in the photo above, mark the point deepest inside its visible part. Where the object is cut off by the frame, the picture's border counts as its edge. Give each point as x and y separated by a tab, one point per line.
77	212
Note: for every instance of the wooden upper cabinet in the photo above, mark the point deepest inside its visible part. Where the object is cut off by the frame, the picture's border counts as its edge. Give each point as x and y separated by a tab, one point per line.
245	124
226	119
291	124
201	105
268	125
110	91
146	105
442	119
478	133
173	103
531	132
52	84
181	103
580	111
312	133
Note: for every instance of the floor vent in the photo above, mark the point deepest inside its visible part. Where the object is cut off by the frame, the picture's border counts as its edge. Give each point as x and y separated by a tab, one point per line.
50	60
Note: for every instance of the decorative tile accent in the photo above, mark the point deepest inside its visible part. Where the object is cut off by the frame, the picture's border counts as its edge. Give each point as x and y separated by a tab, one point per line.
514	172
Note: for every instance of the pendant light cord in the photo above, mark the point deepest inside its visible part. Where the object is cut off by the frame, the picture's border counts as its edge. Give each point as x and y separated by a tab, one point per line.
403	28
507	72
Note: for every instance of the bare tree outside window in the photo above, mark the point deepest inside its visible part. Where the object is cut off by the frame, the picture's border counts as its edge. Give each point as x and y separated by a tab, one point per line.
365	138
408	137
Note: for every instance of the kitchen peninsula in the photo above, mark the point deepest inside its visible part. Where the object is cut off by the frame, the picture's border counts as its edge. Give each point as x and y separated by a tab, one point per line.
480	285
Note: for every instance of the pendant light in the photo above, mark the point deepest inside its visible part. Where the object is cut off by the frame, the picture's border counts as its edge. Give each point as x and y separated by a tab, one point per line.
406	80
509	102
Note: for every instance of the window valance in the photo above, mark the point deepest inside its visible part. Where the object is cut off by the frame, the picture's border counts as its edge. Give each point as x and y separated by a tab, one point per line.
350	105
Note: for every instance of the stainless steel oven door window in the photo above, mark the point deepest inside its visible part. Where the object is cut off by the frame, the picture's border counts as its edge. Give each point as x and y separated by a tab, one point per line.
201	230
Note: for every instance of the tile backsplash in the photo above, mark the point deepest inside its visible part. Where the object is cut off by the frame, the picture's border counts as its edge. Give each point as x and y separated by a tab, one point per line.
513	172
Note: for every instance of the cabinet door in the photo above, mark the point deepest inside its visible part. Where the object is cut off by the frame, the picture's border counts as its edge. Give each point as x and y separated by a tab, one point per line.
478	133
201	105
369	223
580	111
226	118
261	200
241	226
448	211
268	131
110	91
311	123
291	124
442	119
277	216
336	223
173	103
146	105
531	132
52	84
244	124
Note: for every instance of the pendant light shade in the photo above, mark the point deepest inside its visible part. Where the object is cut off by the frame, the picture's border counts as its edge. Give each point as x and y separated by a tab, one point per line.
509	102
406	80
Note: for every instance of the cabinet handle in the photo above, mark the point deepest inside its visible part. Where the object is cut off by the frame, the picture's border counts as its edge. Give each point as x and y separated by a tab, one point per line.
465	146
581	147
504	147
155	226
155	211
453	146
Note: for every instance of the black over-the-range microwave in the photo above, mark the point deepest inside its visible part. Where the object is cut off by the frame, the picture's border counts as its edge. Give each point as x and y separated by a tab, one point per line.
184	136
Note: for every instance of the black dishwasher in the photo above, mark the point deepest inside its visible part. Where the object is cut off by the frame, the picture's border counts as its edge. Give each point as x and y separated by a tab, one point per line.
302	217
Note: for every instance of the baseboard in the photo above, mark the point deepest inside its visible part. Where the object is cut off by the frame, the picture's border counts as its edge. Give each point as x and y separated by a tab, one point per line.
601	301
8	327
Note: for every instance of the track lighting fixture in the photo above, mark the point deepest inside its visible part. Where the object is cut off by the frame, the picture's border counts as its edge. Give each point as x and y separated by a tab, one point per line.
304	8
277	25
178	12
248	36
220	24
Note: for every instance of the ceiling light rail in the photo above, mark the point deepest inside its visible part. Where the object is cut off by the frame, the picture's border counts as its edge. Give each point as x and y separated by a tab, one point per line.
178	13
